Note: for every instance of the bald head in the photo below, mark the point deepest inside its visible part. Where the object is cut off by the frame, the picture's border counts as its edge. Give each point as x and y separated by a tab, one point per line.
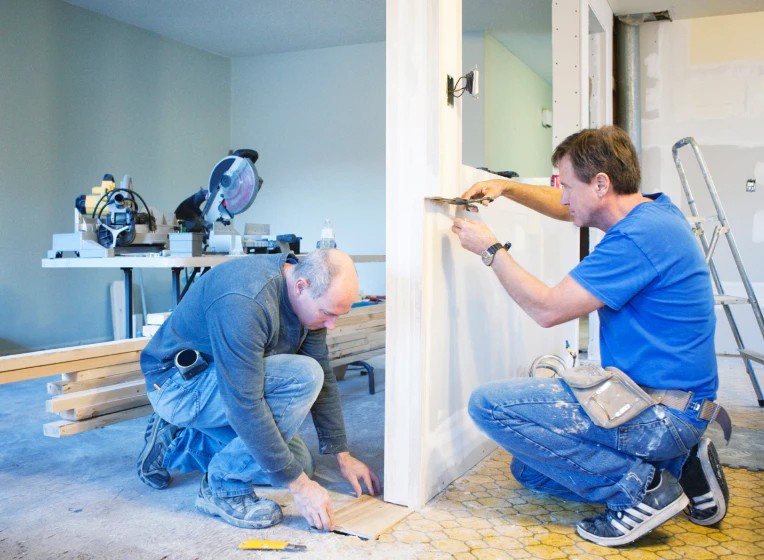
325	268
322	286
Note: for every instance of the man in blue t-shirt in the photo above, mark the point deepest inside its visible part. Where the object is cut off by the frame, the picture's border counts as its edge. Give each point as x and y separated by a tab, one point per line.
648	281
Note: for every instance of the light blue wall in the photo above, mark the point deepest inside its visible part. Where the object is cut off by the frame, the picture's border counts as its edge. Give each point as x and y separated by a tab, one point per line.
317	119
82	95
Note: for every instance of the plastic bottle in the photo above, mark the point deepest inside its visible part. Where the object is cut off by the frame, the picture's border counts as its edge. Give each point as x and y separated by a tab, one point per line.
327	240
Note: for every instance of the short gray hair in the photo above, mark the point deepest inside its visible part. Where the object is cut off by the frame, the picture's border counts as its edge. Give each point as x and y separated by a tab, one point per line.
319	269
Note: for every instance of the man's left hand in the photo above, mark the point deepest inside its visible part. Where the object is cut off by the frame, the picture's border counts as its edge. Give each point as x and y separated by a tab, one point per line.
356	472
474	236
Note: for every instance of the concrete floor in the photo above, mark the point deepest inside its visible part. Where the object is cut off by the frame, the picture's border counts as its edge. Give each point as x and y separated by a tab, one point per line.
79	498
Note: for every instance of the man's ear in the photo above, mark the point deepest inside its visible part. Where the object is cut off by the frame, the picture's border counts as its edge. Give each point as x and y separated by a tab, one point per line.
602	184
301	285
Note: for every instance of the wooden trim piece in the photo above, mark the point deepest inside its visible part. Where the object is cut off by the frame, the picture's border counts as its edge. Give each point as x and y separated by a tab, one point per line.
62	428
367	517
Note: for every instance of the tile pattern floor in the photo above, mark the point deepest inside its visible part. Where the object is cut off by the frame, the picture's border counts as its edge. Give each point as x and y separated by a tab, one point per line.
486	514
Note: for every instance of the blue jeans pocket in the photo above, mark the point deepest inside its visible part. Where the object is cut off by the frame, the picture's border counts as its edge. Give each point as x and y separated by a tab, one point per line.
658	434
178	400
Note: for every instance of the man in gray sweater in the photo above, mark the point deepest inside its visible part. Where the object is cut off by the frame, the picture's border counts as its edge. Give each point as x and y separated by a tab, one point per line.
233	373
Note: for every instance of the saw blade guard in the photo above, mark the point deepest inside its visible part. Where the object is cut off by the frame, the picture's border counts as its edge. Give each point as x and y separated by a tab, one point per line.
234	184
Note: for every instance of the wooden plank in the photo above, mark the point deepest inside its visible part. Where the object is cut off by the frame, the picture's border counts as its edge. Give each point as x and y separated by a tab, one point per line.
24	374
368	516
100	409
62	428
70	354
343	329
96	396
67	387
106	371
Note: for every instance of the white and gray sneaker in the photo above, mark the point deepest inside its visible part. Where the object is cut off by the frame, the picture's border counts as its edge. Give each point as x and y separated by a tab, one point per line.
616	528
704	483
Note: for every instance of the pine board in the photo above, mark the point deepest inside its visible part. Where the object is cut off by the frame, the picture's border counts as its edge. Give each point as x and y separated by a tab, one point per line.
101	409
96	396
61	428
100	372
58	355
25	373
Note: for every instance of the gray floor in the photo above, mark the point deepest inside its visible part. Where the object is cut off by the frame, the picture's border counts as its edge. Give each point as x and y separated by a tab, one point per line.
79	497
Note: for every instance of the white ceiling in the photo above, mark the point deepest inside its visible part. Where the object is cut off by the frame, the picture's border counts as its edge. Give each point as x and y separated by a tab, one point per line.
236	28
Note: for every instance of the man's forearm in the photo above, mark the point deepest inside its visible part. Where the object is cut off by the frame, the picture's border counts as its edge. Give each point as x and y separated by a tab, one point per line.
548	306
542	199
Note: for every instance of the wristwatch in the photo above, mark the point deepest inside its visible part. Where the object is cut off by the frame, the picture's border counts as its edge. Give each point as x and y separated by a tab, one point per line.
490	253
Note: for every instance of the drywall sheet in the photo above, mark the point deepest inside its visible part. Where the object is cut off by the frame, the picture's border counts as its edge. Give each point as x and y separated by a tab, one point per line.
473	333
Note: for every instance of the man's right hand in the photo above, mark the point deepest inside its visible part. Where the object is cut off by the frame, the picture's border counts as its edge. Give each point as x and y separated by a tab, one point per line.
313	502
486	189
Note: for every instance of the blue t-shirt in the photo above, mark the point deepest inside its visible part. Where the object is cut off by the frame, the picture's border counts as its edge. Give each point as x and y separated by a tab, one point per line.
658	321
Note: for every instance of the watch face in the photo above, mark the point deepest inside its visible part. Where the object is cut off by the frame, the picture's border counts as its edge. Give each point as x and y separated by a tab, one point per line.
487	258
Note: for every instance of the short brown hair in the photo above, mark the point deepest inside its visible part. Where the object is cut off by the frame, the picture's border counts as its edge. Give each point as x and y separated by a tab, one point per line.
606	150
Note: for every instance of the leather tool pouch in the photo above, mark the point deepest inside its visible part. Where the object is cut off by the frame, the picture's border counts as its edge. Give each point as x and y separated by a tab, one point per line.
608	396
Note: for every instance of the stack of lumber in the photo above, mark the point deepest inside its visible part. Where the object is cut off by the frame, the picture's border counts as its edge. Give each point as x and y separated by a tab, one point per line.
100	384
357	336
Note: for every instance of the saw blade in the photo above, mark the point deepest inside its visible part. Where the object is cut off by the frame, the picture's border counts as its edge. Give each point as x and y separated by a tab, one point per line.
238	181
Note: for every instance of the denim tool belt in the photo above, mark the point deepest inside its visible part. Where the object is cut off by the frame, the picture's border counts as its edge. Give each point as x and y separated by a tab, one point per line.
682	400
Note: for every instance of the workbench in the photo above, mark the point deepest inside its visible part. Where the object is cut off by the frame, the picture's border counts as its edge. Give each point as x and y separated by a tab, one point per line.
198	265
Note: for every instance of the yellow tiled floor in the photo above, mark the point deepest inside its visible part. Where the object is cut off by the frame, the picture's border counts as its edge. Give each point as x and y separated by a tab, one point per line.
487	514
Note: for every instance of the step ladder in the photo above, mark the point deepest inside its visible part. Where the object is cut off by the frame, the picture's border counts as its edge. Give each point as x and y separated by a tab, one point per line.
722	228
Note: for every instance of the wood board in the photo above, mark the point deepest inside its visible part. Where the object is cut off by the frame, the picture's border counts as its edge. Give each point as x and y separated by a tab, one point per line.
368	516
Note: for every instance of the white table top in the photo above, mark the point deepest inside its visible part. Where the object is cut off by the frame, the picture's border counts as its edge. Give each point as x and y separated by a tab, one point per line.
156	261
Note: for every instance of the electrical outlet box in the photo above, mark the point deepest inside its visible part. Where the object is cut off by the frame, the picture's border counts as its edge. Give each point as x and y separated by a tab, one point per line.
750	185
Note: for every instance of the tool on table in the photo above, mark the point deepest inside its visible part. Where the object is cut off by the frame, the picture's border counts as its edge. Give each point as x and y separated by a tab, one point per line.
112	220
234	184
270	545
468	203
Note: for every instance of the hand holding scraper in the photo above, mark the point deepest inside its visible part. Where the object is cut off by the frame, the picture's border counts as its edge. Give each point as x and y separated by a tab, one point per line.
469	204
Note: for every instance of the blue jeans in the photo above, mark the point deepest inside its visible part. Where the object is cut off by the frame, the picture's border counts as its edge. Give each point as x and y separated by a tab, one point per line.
558	450
209	444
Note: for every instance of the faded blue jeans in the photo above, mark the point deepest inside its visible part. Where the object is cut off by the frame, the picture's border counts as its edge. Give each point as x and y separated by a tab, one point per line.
558	450
209	444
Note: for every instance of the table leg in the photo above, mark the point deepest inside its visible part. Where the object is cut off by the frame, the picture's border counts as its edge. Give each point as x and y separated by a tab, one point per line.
176	286
128	302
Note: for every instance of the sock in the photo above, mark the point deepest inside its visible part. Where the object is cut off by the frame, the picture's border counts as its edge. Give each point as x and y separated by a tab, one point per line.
655	481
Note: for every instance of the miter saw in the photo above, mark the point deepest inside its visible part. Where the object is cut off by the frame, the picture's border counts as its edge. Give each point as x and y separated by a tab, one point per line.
234	184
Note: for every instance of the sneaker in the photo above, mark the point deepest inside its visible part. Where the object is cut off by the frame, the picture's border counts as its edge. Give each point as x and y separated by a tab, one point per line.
247	511
159	434
704	483
616	528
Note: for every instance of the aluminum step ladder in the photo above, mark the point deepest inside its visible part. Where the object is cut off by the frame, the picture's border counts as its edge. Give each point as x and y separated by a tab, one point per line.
722	228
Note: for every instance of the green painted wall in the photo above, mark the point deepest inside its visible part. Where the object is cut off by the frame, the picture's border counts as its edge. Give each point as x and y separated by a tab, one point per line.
514	96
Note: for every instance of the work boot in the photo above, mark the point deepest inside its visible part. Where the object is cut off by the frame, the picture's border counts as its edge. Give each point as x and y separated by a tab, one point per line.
616	528
704	483
159	434
246	511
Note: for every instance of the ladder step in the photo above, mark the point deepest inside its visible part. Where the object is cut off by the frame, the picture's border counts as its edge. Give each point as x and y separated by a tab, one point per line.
729	300
752	355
